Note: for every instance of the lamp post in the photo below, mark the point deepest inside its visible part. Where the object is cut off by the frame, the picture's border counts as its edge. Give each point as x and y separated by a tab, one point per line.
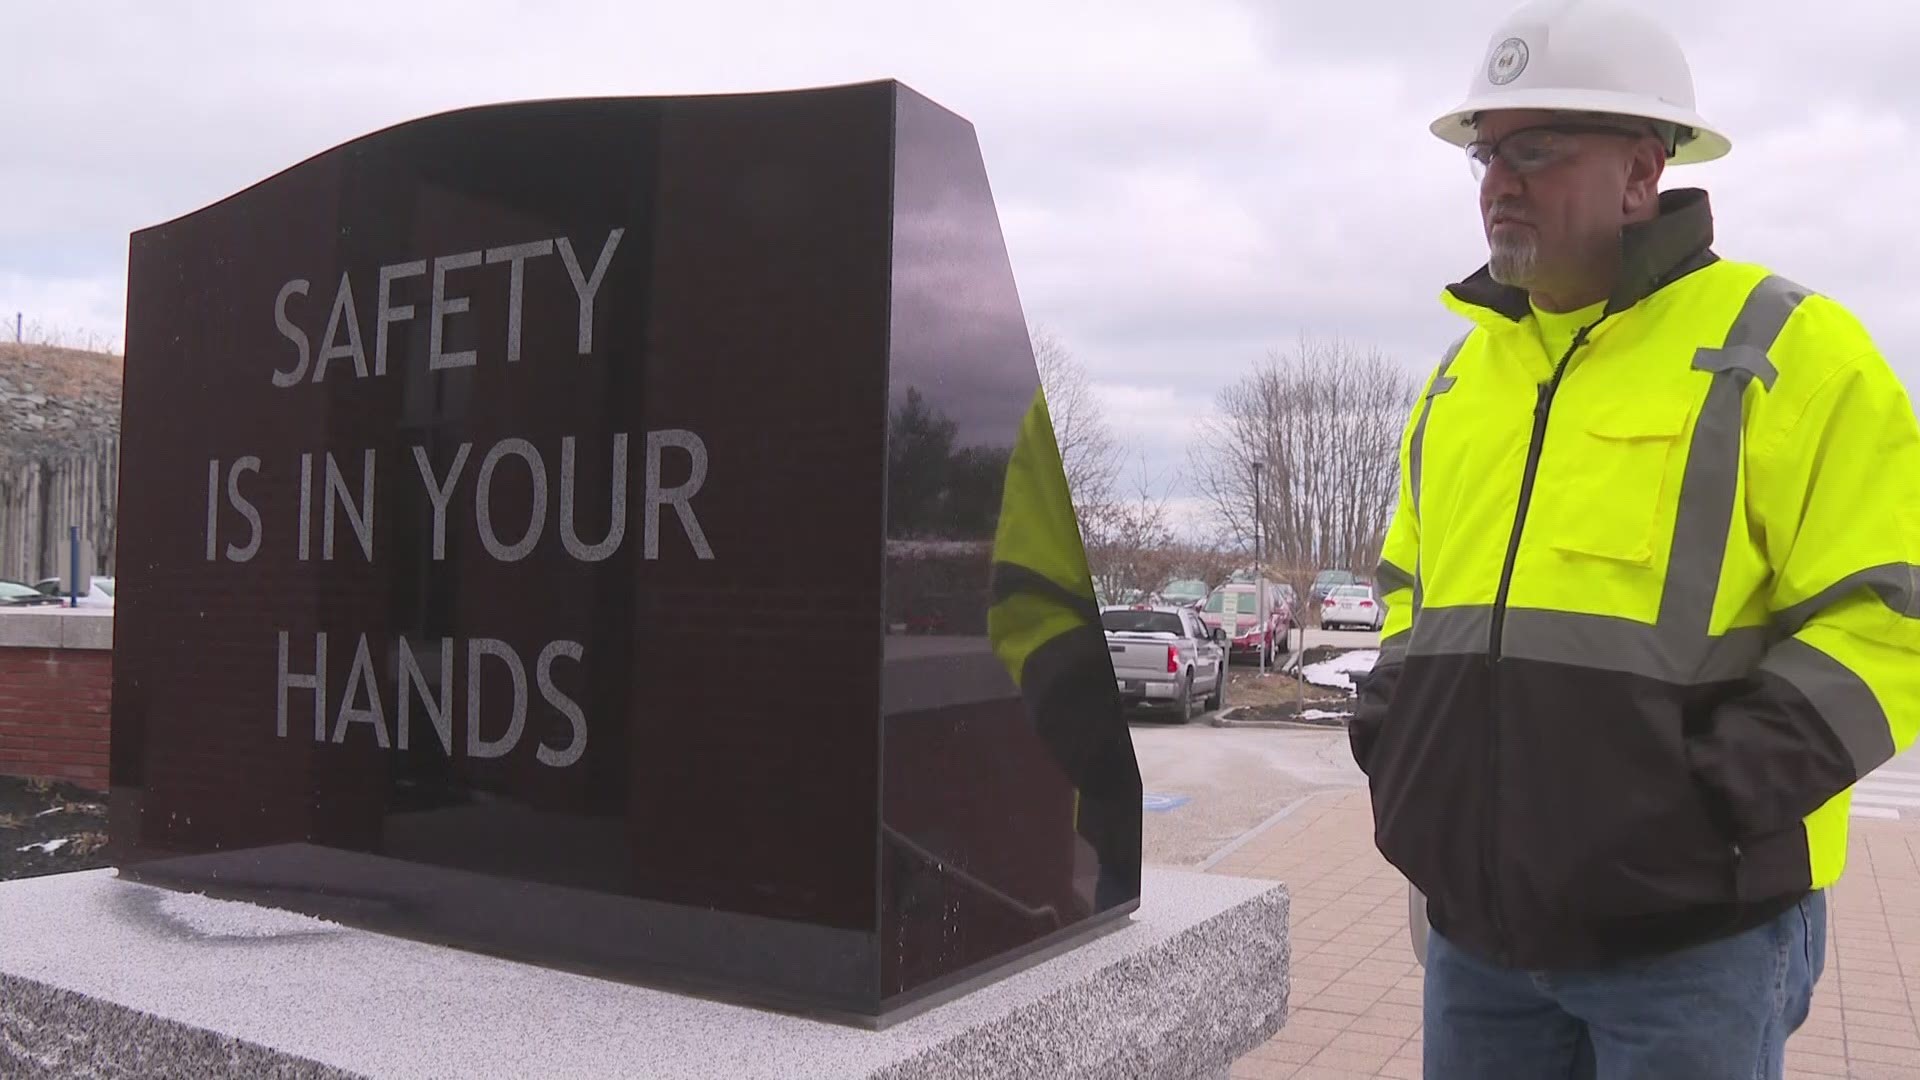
1259	581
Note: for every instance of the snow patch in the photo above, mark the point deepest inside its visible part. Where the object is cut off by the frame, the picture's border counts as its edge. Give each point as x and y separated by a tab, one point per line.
1338	672
46	847
1321	714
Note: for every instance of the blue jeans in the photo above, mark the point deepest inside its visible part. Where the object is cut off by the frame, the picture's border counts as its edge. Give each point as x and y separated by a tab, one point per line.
1718	1011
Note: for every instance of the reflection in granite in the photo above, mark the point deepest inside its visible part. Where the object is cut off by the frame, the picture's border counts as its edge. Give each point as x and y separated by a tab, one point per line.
984	727
587	531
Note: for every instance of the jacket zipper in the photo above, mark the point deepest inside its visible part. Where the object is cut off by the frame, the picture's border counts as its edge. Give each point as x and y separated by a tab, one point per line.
1542	407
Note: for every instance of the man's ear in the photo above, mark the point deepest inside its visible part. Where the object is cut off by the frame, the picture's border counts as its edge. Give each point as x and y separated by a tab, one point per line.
1646	164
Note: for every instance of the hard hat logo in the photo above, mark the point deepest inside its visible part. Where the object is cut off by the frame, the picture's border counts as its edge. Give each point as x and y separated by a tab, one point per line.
1509	59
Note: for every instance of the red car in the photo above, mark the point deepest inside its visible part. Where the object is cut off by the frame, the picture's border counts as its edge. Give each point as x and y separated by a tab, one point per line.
1254	635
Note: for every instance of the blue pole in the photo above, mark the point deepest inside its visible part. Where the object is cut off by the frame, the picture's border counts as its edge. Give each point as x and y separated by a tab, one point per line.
73	555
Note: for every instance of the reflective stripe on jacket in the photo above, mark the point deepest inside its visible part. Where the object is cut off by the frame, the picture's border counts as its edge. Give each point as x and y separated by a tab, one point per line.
1654	606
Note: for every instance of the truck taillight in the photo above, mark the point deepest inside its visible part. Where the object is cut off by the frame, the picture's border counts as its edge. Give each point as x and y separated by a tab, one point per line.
1173	659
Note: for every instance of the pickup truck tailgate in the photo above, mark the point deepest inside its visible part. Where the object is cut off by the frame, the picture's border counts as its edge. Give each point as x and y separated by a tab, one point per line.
1135	655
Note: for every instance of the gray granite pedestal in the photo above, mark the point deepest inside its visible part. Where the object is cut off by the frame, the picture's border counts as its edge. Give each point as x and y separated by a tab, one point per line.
106	978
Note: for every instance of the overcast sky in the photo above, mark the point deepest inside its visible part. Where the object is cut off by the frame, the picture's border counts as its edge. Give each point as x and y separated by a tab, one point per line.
1183	186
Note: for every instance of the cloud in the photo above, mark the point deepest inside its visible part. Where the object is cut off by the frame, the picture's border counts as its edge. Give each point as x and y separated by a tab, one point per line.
1154	423
77	311
1182	187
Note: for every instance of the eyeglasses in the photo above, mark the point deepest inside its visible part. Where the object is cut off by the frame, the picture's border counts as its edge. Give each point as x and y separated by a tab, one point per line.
1531	149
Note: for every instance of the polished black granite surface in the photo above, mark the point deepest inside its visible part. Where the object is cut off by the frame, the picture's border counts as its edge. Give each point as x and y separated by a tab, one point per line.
619	534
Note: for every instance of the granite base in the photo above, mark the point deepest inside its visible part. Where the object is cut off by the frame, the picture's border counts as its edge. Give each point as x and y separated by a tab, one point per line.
107	978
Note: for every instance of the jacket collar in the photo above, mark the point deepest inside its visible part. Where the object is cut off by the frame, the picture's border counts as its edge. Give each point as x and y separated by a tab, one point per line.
1653	255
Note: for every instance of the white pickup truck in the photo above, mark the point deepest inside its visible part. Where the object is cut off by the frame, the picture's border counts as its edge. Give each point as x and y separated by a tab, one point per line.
1167	656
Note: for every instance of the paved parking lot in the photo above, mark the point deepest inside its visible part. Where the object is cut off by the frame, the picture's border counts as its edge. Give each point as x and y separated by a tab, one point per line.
1215	784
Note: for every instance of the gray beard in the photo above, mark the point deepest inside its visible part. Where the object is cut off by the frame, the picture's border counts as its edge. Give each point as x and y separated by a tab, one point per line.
1514	262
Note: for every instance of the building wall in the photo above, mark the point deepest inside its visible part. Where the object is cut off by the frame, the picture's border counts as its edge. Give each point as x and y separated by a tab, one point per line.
56	685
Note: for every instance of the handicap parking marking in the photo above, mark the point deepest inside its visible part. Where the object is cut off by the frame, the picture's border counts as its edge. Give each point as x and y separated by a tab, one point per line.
1157	803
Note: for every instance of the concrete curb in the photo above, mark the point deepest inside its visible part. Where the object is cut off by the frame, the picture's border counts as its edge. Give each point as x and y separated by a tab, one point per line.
1294	725
1227	718
56	628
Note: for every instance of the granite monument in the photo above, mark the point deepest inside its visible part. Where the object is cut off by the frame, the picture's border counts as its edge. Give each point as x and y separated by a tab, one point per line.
578	531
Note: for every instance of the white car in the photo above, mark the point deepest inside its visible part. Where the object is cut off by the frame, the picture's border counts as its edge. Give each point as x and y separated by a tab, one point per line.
99	591
1352	607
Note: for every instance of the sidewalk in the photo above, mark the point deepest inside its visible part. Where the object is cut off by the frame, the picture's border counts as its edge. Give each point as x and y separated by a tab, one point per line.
1355	1009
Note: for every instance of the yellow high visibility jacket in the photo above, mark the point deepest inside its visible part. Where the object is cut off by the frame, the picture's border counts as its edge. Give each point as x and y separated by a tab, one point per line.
1654	607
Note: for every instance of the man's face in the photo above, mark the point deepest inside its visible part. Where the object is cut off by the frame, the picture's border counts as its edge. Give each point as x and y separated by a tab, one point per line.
1558	215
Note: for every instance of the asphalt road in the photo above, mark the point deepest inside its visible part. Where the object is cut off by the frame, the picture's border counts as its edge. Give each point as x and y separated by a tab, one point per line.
1206	786
1339	639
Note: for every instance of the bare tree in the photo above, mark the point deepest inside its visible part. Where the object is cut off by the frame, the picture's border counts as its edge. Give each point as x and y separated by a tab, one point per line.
1130	544
1210	563
1087	448
1324	421
1130	540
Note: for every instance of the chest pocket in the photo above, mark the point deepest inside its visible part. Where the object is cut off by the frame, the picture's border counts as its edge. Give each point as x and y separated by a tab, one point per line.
1618	478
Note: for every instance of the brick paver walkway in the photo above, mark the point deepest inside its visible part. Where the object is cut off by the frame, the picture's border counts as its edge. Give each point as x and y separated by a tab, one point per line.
1355	1009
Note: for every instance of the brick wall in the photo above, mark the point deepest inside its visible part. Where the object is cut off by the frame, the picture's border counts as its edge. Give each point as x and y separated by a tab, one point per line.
56	682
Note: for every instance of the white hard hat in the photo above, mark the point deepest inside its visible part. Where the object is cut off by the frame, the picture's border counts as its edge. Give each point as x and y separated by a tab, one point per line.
1586	56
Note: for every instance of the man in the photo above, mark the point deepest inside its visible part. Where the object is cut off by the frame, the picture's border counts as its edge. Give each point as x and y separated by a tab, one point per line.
1654	594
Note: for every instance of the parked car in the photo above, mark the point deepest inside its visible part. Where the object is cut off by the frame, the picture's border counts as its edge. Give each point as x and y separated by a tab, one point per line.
1187	592
99	591
1326	581
1352	607
19	594
1291	601
1260	627
53	587
1165	655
